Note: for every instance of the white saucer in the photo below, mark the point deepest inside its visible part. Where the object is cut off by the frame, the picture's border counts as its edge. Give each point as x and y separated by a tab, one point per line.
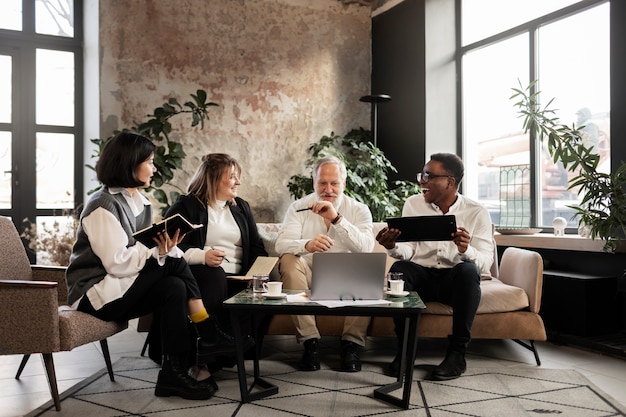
274	297
399	294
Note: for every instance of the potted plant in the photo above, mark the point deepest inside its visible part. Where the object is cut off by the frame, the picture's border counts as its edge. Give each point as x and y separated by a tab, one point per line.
601	208
52	244
169	154
367	169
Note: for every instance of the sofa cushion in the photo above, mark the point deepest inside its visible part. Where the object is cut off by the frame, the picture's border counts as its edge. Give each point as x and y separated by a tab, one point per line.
269	233
497	297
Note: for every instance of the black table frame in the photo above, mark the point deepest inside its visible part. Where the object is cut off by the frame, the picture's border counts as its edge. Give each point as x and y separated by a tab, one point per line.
262	308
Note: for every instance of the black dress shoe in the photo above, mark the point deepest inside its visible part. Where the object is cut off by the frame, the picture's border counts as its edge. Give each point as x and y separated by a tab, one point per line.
350	361
452	367
311	356
394	366
211	382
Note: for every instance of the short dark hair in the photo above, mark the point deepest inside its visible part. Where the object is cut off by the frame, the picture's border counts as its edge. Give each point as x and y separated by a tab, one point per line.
120	157
451	163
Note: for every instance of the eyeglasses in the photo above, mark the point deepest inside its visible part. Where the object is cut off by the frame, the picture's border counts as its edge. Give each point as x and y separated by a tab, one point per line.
427	176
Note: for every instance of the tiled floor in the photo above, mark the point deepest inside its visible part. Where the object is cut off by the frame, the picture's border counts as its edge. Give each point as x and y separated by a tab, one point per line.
20	397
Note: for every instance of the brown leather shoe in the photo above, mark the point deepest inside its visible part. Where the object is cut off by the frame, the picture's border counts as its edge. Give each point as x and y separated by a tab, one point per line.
452	367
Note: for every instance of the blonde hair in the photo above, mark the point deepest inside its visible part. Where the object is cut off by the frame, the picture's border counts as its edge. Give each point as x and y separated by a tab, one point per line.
206	179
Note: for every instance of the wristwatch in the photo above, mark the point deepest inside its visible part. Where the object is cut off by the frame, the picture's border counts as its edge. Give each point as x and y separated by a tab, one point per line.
336	219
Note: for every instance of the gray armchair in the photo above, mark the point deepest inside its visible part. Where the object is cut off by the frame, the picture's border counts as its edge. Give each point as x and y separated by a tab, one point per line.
34	316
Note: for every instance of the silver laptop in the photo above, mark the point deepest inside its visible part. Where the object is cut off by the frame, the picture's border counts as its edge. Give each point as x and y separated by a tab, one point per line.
348	276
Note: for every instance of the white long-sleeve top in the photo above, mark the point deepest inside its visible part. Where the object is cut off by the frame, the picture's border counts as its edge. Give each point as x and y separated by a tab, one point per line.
445	254
109	242
354	233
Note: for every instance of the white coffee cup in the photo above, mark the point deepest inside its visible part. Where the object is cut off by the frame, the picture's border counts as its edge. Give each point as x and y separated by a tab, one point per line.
273	287
258	281
396	282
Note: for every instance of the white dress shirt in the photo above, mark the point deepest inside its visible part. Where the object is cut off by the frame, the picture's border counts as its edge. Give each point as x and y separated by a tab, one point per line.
352	234
445	254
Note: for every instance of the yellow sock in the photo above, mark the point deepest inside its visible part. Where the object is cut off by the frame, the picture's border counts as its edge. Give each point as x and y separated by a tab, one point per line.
201	315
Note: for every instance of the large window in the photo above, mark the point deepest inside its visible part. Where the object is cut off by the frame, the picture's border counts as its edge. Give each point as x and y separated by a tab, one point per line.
564	44
41	114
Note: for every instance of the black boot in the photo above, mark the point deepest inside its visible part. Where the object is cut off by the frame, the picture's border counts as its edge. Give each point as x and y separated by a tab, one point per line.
452	367
174	380
212	341
311	356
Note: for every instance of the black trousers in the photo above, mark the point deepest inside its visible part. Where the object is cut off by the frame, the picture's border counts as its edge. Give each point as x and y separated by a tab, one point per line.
162	290
458	287
214	288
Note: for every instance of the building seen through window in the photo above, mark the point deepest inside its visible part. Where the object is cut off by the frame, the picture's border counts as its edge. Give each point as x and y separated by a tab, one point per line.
567	51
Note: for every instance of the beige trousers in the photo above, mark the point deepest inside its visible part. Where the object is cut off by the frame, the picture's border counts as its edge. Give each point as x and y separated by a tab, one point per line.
296	275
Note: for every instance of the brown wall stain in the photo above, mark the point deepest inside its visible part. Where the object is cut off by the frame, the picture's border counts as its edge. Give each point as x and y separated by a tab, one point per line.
285	73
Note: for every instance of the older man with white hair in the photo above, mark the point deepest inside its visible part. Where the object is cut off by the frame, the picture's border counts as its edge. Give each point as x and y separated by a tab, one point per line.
326	220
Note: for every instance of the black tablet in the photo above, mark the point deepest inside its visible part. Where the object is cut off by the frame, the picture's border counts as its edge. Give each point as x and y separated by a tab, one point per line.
423	228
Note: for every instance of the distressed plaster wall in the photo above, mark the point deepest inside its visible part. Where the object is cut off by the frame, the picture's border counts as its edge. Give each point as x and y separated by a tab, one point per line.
285	73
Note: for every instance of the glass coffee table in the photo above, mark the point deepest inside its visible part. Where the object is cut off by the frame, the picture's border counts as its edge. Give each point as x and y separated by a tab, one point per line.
408	308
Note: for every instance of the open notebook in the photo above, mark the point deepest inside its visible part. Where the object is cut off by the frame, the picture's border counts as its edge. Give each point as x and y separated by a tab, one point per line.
263	265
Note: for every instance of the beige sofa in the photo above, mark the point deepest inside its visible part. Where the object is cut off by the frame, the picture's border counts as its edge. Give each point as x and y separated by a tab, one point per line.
509	307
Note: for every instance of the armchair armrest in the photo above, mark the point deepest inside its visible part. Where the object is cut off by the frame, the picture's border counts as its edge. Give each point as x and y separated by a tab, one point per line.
52	273
524	269
29	318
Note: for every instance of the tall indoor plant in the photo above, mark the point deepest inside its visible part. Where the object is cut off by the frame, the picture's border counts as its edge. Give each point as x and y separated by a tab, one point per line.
53	242
367	168
601	208
169	154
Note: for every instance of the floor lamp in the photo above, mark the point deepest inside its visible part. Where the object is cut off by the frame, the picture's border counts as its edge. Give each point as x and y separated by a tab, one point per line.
375	99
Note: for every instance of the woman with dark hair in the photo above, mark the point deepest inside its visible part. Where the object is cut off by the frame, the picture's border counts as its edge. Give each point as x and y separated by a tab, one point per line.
229	242
115	278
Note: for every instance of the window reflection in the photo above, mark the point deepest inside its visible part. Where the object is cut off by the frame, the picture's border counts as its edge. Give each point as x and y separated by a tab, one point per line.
5	88
11	14
502	15
5	170
55	170
55	88
54	17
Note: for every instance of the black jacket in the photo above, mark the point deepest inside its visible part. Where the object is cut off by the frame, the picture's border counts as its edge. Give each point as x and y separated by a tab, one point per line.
194	211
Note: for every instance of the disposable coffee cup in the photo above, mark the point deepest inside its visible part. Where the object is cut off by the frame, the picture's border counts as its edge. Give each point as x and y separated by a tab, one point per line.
273	287
257	283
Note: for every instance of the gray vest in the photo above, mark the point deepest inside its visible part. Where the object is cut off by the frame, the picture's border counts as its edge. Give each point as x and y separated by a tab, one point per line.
85	268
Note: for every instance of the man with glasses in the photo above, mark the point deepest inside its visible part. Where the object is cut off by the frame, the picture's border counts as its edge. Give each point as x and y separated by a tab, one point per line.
444	271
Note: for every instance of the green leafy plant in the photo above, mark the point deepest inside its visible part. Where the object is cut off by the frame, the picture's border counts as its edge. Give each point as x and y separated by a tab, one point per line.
367	169
603	200
169	154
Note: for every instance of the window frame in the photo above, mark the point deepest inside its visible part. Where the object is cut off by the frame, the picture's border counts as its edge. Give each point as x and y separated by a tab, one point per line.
22	46
531	28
